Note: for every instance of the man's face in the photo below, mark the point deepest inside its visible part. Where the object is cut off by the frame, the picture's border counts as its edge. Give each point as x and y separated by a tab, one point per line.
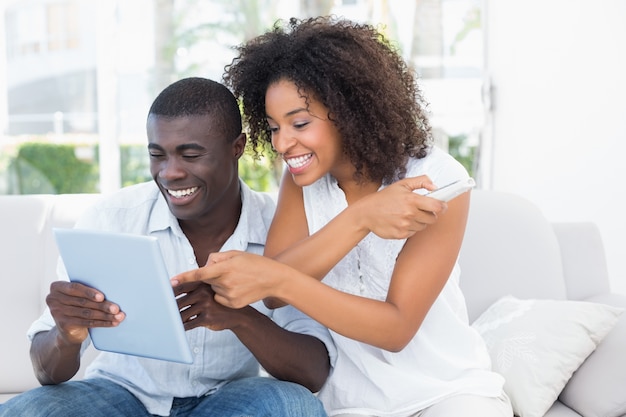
193	164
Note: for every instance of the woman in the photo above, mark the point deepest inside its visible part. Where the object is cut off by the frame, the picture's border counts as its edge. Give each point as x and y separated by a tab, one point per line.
352	245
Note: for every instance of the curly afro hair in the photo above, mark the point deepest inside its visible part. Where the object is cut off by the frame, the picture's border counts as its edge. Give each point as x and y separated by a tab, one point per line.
352	69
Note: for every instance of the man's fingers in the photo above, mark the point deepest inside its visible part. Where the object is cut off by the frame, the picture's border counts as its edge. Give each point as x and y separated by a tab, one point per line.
76	289
187	287
76	317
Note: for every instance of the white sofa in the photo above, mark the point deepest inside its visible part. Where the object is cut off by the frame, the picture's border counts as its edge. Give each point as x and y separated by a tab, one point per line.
28	258
509	249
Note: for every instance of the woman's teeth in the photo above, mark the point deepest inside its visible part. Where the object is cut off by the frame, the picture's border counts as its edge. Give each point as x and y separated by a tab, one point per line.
299	161
182	193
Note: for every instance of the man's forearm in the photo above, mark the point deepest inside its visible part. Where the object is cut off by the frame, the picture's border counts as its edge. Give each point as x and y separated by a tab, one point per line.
286	355
53	361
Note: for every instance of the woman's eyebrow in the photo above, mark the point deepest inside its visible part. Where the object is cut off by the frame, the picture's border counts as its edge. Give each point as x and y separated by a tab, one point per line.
290	112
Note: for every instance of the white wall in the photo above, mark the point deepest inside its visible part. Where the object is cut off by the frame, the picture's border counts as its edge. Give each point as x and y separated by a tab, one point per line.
558	134
4	105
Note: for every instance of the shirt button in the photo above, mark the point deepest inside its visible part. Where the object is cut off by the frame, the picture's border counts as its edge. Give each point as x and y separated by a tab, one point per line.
192	261
196	350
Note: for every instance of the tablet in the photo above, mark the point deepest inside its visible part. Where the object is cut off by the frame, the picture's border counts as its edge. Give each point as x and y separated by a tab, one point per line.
130	271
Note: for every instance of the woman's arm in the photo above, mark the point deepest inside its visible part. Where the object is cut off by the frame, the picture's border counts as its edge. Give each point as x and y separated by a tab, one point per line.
422	269
394	213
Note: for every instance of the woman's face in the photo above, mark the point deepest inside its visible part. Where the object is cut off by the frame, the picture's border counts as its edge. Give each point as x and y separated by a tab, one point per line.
307	140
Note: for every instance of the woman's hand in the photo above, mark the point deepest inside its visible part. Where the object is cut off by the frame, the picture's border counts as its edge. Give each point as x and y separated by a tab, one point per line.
396	212
237	278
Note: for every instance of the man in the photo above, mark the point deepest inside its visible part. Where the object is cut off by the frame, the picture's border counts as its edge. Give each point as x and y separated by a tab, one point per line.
196	205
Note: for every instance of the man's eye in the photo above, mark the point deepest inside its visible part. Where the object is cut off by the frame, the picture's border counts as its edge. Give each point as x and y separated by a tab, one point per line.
191	156
155	155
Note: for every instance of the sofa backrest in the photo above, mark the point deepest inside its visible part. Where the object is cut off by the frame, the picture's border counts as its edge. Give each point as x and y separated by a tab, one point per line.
22	221
509	249
28	258
584	260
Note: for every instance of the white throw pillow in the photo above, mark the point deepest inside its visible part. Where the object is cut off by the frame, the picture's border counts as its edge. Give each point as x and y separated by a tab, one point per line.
538	344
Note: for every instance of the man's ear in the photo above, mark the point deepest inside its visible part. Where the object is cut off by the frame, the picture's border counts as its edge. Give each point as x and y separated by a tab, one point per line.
239	145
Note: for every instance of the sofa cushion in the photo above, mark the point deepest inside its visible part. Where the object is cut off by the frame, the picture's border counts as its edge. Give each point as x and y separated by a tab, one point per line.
509	248
538	344
28	262
598	387
22	221
559	409
584	263
65	209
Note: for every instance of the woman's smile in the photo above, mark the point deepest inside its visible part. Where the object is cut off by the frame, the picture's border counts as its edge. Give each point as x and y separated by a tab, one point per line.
298	163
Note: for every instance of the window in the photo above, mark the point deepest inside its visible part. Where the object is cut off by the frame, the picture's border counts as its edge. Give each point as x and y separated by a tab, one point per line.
62	26
81	75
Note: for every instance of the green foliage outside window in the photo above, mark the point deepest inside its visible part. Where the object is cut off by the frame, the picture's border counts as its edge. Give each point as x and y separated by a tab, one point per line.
458	147
46	168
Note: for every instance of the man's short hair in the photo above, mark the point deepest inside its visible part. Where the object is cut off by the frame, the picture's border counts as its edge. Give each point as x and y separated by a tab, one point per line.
197	96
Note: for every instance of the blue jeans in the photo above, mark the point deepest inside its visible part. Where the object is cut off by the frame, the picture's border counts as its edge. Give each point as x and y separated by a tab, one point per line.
248	397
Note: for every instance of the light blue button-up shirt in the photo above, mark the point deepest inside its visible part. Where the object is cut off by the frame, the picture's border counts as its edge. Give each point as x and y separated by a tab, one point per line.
219	356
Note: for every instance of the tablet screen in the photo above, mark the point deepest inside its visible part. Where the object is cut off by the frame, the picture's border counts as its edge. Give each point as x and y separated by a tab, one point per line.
130	271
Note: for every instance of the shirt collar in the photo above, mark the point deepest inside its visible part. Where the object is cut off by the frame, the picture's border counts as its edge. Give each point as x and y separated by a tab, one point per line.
162	218
250	229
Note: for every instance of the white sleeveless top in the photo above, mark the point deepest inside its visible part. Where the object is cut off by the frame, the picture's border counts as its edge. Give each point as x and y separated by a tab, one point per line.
445	357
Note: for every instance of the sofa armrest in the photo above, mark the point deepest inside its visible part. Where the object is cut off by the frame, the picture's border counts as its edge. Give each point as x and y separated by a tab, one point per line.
584	262
597	387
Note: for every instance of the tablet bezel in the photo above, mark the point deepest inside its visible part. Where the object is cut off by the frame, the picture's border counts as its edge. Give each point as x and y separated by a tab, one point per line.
130	271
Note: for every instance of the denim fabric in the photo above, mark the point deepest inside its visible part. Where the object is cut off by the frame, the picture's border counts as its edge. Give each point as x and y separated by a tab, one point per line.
248	397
